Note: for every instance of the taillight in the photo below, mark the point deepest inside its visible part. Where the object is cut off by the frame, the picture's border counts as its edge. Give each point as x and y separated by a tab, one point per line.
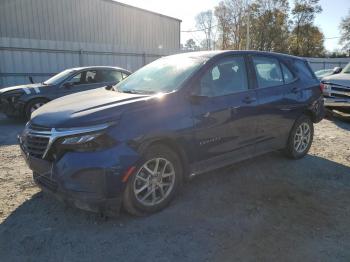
322	87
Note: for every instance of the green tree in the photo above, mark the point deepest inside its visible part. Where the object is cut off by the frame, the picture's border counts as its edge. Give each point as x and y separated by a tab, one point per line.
345	32
191	45
308	42
269	25
306	39
223	16
204	22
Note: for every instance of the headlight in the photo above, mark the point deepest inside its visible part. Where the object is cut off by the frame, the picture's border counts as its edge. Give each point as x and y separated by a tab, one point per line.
79	139
85	142
82	139
12	97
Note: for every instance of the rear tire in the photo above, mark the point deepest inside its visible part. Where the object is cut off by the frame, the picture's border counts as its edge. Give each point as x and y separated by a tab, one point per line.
12	116
33	105
155	182
300	138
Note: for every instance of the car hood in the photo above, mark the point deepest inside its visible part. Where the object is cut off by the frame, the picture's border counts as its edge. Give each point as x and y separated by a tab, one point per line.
338	79
27	89
85	108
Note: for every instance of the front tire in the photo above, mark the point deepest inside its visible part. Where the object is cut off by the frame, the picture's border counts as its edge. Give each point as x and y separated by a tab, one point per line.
33	105
155	183
300	138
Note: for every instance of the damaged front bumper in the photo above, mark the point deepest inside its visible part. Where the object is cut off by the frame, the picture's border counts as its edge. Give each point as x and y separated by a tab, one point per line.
11	108
91	181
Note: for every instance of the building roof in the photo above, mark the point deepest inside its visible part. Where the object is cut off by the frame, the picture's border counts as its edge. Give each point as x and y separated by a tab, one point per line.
141	9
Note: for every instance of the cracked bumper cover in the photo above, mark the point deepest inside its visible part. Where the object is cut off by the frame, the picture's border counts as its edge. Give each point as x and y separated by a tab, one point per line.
90	181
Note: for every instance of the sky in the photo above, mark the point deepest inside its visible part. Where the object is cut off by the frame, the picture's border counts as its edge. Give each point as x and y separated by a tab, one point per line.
186	10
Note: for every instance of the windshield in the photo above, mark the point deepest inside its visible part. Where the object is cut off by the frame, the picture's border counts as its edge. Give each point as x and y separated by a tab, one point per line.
161	76
324	72
346	69
56	79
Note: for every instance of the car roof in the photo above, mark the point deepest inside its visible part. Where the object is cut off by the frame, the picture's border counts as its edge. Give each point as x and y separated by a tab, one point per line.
98	67
212	54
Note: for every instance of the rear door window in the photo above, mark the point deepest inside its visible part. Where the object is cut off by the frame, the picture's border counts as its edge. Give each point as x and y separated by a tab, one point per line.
111	76
287	74
268	72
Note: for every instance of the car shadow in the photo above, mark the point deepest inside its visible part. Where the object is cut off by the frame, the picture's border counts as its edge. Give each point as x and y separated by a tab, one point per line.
254	210
342	120
9	129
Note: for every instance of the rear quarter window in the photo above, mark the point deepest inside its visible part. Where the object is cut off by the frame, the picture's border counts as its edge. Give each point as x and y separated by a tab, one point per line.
304	70
288	76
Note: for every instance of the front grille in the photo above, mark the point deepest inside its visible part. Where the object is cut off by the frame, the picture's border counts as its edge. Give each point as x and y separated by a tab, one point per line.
36	146
340	92
46	182
36	140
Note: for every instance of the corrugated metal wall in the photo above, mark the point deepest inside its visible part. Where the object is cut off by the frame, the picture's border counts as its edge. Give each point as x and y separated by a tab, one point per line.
42	37
327	63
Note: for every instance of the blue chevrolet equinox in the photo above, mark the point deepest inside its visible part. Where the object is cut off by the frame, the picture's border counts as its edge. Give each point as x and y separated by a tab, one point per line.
134	144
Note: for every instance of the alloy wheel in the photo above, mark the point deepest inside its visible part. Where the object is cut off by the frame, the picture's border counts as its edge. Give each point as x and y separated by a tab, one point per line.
302	137
154	181
36	106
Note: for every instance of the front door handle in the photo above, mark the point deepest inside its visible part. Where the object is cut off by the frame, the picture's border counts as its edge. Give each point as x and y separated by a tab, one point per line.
234	109
249	99
207	114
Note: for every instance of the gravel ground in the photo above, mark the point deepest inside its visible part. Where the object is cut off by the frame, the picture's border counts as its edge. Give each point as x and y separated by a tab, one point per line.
267	209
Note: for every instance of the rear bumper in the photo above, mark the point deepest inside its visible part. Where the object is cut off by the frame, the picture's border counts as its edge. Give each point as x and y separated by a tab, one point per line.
317	109
336	102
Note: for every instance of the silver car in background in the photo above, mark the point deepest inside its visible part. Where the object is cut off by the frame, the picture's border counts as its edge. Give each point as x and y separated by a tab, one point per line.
336	90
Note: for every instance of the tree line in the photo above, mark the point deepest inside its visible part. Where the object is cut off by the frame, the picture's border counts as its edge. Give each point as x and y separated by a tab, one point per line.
265	25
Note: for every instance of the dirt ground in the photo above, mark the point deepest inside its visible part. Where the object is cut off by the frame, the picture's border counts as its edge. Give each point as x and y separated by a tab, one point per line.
267	209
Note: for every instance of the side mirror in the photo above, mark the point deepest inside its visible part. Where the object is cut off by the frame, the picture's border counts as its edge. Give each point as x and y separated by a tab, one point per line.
68	85
337	70
109	87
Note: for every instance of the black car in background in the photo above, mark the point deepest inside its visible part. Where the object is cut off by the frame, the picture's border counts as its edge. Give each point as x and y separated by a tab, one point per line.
21	101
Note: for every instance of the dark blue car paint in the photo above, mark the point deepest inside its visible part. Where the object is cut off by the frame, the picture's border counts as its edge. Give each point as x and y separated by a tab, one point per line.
207	133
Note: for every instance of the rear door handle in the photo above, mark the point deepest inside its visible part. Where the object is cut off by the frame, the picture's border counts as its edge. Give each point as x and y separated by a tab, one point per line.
295	89
234	109
249	100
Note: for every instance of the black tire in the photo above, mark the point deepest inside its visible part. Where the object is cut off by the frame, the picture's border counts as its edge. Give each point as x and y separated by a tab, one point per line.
12	116
290	149
130	202
31	104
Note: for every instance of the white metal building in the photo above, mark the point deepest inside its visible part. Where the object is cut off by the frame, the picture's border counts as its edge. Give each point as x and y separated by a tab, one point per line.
41	37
